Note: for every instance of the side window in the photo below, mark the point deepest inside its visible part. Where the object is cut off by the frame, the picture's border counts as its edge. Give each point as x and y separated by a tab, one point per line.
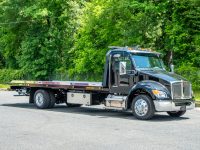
116	58
122	57
128	62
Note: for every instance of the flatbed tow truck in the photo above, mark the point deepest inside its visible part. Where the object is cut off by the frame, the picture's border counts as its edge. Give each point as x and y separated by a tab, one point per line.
134	80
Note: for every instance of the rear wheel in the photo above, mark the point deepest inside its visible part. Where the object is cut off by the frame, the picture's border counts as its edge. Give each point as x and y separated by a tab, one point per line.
143	107
52	99
176	113
42	99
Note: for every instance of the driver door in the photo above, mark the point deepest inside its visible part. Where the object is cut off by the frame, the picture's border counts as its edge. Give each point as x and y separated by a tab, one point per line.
122	77
125	78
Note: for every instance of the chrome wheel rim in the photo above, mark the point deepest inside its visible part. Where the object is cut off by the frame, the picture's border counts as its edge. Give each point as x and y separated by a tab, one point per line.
141	107
39	99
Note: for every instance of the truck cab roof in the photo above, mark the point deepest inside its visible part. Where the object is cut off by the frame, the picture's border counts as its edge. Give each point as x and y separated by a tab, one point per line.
133	50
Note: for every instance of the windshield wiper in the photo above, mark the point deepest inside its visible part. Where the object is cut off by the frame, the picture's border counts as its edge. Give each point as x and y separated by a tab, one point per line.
151	69
145	69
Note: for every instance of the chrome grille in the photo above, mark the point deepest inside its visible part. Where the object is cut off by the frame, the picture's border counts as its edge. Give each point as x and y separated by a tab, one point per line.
181	90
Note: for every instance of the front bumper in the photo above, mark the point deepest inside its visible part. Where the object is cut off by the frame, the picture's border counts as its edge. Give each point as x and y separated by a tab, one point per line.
170	105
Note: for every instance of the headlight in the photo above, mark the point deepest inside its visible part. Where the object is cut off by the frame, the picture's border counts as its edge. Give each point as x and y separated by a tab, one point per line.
159	94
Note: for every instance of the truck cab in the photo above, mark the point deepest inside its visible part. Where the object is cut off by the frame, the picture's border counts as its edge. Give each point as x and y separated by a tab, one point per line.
138	78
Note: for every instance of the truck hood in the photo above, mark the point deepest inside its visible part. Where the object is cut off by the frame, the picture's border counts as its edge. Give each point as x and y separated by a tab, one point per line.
162	74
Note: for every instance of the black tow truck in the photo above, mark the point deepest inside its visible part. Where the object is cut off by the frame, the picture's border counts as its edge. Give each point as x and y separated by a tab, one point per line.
134	80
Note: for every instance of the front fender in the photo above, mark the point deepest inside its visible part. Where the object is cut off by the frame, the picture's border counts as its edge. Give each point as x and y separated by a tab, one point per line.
145	87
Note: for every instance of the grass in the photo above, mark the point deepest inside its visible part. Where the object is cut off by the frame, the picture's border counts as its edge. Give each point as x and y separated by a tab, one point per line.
197	95
4	86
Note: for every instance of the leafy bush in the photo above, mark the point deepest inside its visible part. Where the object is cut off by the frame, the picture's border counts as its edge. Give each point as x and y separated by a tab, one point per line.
4	86
191	73
197	95
7	75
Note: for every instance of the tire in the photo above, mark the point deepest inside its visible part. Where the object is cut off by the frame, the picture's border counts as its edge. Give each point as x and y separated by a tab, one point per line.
176	113
42	99
143	107
73	105
52	99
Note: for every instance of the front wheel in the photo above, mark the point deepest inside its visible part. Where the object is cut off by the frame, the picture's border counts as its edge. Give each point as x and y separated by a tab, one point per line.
143	107
176	113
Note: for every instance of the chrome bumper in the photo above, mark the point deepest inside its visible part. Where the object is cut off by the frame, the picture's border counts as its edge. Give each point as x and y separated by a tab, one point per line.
169	105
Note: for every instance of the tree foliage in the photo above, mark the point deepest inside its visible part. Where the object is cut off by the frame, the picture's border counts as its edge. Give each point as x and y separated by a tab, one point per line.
40	38
39	35
165	26
107	23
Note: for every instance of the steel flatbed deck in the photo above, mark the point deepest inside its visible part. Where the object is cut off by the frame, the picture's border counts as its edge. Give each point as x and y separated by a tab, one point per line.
66	85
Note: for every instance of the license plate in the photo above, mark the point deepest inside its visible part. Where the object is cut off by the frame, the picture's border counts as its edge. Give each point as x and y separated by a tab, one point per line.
183	108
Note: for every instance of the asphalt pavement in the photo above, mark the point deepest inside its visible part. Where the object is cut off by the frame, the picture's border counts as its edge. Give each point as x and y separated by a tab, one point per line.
23	127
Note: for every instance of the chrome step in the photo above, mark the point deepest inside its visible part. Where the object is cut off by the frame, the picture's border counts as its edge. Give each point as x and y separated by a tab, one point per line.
115	98
113	101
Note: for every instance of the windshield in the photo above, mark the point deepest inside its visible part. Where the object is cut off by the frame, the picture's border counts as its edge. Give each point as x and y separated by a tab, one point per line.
147	61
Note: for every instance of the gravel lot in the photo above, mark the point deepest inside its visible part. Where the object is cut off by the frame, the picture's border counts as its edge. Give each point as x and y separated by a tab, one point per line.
23	127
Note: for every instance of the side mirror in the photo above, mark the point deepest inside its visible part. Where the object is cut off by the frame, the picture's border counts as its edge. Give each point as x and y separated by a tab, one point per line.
122	68
134	72
172	68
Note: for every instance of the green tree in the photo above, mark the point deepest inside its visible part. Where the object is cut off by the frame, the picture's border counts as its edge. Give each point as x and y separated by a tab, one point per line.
106	23
43	37
38	36
180	30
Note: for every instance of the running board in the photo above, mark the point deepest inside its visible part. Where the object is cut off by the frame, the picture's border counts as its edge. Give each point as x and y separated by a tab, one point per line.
114	108
115	102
